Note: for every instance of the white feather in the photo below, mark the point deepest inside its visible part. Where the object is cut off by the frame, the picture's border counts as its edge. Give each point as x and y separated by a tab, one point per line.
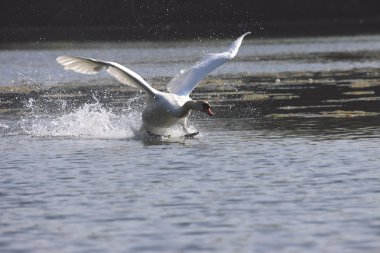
93	66
185	83
163	109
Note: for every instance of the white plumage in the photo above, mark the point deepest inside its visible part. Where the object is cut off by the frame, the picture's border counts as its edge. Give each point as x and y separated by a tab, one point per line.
163	109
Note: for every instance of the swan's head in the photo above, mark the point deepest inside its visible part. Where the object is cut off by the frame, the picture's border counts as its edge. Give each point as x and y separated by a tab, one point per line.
205	107
199	105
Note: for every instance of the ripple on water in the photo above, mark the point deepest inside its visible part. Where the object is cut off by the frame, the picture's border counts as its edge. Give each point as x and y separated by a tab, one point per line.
286	166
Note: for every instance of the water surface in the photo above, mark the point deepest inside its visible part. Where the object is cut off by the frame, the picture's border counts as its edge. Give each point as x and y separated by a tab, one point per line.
289	163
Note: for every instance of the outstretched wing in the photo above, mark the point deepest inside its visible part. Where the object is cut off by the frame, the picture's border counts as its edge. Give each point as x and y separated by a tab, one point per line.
93	66
184	83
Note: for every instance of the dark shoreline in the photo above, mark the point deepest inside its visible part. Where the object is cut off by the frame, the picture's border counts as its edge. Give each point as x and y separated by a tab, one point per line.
304	28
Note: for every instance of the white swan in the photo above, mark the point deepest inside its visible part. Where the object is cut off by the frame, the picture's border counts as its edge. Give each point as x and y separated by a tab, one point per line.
163	110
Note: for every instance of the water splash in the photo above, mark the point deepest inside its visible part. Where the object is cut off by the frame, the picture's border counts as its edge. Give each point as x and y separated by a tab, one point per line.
92	121
96	120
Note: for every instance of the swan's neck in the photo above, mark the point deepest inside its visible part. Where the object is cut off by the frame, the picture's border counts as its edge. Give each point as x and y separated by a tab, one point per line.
191	105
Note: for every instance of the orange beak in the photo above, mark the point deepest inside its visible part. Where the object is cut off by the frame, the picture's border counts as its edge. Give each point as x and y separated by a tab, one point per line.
209	112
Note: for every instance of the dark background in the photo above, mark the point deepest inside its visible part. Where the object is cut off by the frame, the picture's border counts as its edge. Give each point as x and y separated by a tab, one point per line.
31	20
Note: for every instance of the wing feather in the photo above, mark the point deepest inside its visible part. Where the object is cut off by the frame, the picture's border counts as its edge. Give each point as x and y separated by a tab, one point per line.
185	83
93	66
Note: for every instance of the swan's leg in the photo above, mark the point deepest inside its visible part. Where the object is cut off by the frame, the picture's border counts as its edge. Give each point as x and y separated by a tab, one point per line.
184	126
186	130
191	135
145	128
152	134
157	135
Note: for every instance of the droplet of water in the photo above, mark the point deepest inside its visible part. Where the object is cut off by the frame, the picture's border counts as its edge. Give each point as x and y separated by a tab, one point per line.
89	121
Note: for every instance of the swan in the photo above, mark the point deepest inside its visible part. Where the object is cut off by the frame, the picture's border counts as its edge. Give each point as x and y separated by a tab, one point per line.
163	109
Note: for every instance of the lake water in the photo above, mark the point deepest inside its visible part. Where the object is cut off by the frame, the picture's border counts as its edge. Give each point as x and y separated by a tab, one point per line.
290	162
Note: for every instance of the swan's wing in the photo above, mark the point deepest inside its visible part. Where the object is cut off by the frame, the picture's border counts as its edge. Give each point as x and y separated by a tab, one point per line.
93	66
184	83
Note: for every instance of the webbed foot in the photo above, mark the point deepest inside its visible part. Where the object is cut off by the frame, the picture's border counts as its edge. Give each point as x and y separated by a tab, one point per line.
191	135
157	135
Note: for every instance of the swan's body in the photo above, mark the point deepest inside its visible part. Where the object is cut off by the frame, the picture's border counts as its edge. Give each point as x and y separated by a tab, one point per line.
162	109
165	110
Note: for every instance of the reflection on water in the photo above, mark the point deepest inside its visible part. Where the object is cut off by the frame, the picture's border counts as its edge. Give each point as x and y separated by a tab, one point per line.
288	164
